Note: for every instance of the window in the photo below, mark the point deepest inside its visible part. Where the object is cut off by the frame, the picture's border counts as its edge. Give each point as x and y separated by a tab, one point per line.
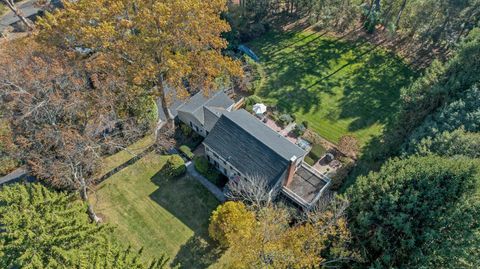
208	158
206	132
224	163
225	171
191	124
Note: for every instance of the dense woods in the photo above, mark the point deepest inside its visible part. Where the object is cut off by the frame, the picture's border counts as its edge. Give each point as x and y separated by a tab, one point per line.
418	29
87	81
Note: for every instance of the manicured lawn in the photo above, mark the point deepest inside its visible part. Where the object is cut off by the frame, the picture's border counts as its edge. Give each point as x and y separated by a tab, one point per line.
162	215
338	87
115	160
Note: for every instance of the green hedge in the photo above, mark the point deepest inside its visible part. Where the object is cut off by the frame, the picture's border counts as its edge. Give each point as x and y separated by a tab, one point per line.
309	160
207	170
174	167
317	152
186	151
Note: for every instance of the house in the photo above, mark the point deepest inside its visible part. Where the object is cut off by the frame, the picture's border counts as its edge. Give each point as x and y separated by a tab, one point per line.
201	111
240	146
30	9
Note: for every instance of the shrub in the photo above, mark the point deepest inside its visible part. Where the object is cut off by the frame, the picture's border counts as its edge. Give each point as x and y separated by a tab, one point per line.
285	119
317	152
207	170
174	167
309	160
250	101
305	123
299	129
201	164
186	151
348	145
186	130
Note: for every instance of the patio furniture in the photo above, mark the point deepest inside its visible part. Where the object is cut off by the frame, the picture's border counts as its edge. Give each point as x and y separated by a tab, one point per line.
259	109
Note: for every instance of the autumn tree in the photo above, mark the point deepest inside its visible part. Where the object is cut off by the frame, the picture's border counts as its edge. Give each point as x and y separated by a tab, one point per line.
63	117
170	48
265	238
42	228
230	222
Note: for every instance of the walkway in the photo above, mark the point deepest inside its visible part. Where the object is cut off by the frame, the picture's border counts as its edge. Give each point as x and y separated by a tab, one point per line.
16	176
217	192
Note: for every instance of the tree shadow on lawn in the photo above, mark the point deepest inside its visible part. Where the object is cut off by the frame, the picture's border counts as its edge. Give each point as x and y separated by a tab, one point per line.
197	252
372	92
371	79
192	204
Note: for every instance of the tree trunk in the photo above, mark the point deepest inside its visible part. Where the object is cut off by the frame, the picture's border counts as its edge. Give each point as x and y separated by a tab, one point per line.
83	194
11	5
169	117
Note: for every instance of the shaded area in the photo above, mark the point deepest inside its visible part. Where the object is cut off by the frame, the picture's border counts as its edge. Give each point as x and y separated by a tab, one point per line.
131	161
191	203
155	212
197	252
340	87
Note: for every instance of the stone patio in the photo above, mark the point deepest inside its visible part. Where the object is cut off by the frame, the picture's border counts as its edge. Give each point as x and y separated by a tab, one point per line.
285	132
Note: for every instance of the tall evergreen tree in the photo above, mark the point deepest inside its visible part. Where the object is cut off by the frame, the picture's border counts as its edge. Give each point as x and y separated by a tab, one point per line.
421	212
41	228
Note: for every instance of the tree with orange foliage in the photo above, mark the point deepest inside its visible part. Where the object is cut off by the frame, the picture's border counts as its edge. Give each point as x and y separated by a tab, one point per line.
266	238
62	116
171	48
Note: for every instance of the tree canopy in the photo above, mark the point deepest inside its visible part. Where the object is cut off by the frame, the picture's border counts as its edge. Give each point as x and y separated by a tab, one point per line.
167	47
419	212
42	228
266	238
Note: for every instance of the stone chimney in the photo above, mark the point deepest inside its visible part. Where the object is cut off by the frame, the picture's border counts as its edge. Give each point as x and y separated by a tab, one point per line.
291	170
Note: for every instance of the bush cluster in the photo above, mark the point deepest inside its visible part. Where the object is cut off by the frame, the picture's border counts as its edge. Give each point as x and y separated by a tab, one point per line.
187	151
174	167
207	170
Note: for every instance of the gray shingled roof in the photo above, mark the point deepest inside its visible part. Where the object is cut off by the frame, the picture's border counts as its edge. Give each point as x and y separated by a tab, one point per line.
196	103
252	147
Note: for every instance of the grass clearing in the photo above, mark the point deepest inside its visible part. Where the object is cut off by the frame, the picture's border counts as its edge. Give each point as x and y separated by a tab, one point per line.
115	160
162	215
339	87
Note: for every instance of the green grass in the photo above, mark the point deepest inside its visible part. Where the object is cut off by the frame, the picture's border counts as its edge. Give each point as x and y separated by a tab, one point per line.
162	215
123	156
338	87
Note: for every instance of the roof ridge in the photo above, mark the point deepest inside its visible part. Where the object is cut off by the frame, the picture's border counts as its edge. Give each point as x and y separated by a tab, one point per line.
250	134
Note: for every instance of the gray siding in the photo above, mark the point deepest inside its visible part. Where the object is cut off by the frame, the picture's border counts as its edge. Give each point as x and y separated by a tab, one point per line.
192	121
